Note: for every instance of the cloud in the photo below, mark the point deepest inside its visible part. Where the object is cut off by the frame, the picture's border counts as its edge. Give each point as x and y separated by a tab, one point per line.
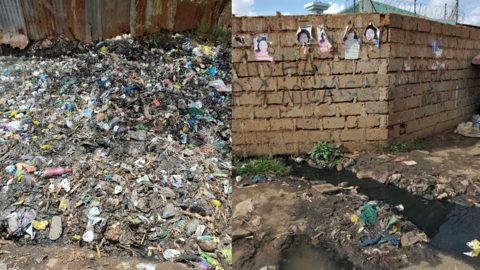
286	13
334	8
243	7
473	18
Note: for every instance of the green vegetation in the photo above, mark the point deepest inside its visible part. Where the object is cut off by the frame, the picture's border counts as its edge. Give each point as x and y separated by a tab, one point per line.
202	30
379	147
326	154
398	147
415	144
260	166
223	35
418	143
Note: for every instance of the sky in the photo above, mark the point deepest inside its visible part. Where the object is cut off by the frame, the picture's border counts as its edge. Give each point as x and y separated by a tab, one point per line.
295	7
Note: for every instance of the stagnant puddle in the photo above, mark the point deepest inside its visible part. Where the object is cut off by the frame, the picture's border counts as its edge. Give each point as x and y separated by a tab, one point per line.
449	226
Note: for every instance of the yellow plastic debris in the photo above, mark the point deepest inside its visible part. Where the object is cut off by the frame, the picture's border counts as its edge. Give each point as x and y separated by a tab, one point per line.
103	50
46	147
39	225
475	245
216	203
354	218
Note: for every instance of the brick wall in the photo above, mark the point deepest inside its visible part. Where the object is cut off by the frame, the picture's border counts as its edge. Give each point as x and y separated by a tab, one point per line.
286	106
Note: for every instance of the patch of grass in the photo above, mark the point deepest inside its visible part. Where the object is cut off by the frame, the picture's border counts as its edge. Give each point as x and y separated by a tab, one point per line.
222	35
326	154
418	143
260	166
202	30
379	147
398	147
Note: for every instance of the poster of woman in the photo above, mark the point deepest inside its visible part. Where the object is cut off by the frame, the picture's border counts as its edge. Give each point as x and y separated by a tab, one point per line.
350	34
304	35
372	33
323	42
261	49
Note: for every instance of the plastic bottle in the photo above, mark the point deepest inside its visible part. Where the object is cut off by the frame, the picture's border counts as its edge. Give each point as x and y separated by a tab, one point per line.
55	172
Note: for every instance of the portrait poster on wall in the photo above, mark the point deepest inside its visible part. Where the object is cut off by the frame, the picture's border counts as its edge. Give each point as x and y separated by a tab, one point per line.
350	34
323	42
261	48
303	37
372	33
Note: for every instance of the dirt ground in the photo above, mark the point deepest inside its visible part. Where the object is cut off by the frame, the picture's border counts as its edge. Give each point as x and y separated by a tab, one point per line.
70	257
447	169
280	210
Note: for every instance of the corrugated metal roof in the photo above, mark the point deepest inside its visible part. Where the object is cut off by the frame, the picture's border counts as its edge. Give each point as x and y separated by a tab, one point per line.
12	24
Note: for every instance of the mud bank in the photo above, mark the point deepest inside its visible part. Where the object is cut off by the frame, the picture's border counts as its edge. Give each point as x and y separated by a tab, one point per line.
268	217
448	169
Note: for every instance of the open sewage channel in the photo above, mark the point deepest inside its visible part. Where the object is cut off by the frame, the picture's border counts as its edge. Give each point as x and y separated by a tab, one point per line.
448	226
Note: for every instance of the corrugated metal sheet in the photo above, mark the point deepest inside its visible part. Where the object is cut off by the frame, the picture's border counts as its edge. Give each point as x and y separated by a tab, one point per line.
13	29
40	22
91	20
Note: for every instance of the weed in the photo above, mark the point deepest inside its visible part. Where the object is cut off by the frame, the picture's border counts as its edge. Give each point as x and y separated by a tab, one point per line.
261	166
398	147
202	30
418	143
222	35
378	147
326	154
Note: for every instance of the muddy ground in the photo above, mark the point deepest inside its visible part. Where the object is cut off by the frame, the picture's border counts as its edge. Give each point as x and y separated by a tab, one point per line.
284	209
70	257
448	169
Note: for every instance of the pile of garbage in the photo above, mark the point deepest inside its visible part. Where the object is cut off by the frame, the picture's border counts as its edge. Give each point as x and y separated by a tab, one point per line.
122	147
363	230
470	128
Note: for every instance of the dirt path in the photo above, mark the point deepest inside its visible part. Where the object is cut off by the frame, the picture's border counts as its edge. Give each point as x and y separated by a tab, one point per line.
266	215
70	257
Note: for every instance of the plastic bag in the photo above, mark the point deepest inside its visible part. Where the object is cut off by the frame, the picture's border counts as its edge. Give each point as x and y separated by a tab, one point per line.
369	214
393	225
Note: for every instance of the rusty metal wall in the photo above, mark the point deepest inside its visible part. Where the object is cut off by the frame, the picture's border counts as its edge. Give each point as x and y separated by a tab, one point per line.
93	20
13	29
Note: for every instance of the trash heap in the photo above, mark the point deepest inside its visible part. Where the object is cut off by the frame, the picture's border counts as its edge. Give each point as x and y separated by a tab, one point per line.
122	147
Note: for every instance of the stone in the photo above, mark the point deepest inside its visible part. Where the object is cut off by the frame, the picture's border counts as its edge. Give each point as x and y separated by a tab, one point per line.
339	167
240	233
207	245
365	174
124	266
395	177
52	262
442	196
325	188
55	228
256	221
242	208
465	183
191	226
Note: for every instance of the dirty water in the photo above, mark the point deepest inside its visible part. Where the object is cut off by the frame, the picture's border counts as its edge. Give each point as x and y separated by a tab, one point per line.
303	255
449	226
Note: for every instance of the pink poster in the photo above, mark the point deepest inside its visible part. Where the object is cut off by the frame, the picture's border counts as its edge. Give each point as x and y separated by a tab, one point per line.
323	42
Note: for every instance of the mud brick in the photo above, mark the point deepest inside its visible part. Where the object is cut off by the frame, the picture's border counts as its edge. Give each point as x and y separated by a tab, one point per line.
255	125
318	136
333	122
436	27
265	137
400	105
294	136
289	83
325	110
424	25
307	123
352	121
342	67
377	107
289	22
296	111
353	135
350	108
394	20
261	112
396	35
242	112
241	84
384	51
249	99
368	121
339	21
281	124
377	134
448	30
244	138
